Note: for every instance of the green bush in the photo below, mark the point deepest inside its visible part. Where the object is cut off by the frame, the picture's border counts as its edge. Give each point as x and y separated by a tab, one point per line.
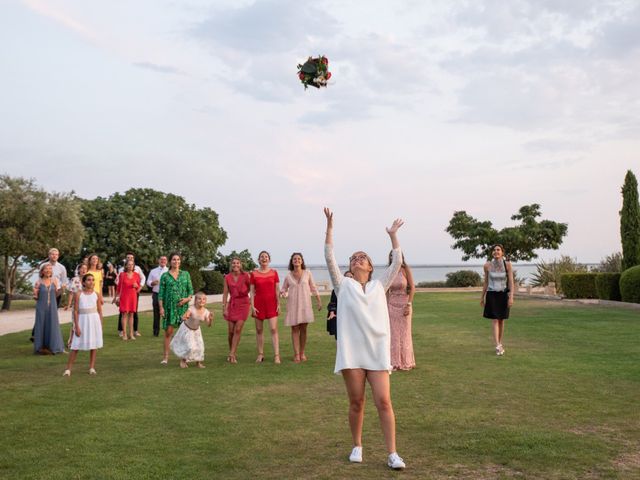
608	286
550	272
579	285
196	278
463	278
213	282
439	284
630	285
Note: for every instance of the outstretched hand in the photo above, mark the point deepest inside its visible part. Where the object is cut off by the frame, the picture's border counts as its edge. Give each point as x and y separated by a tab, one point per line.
397	223
329	214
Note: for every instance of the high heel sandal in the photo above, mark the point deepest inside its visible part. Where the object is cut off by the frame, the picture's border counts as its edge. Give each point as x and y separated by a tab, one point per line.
233	359
260	358
276	359
296	358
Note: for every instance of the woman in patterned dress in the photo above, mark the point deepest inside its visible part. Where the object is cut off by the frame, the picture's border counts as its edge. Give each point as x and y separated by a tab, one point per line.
235	304
174	296
399	301
297	288
265	287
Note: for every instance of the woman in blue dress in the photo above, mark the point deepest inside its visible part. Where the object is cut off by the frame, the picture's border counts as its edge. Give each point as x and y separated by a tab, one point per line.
47	338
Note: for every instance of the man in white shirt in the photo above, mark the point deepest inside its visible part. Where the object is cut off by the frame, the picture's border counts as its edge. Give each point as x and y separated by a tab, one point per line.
138	270
153	282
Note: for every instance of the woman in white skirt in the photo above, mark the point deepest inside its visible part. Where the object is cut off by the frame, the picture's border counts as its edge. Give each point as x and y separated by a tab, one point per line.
187	343
87	324
363	346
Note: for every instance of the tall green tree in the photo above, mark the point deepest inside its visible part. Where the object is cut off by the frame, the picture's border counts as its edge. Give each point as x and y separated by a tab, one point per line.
630	222
223	262
151	223
31	222
475	238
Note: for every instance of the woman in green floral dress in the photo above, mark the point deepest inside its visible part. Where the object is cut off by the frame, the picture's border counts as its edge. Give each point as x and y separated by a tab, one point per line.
174	295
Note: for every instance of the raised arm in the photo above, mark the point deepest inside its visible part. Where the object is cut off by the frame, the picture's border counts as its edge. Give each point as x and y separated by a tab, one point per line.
396	255
332	265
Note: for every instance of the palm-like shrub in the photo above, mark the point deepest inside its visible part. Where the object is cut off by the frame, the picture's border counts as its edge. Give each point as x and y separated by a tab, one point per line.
550	272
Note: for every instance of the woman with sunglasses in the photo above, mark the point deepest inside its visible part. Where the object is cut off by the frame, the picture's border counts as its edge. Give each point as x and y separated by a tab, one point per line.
363	344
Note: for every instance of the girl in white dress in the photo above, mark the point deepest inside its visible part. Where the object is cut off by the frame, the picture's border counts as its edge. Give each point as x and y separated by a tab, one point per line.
87	324
187	343
363	344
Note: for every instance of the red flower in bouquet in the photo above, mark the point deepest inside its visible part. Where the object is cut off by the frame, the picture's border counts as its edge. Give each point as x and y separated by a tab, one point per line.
328	76
325	60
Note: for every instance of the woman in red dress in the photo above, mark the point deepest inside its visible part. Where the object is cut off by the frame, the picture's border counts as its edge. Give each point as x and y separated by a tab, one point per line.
235	304
129	286
265	287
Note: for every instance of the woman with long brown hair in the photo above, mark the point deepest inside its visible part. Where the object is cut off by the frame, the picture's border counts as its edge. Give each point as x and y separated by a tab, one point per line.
235	305
497	294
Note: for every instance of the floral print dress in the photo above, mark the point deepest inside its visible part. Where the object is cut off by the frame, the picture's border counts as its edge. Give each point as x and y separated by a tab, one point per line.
172	290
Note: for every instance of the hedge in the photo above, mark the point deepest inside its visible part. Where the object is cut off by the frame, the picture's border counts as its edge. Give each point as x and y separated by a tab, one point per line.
463	278
579	285
630	285
213	282
608	286
196	278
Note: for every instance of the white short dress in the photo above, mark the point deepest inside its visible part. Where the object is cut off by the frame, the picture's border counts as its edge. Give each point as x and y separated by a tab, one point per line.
364	339
187	343
89	322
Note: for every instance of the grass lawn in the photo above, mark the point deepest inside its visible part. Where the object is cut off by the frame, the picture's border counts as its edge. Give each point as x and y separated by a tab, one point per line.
563	403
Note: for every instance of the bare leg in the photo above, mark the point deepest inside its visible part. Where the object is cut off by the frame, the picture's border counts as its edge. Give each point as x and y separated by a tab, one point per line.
131	332
295	340
381	389
92	358
72	358
237	333
501	330
275	341
230	328
260	339
167	340
354	379
303	341
496	331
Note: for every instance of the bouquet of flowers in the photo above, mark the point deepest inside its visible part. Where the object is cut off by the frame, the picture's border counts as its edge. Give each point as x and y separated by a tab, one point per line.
314	72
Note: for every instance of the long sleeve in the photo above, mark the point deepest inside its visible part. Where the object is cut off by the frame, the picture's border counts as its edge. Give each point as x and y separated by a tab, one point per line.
163	287
332	265
151	278
142	276
393	269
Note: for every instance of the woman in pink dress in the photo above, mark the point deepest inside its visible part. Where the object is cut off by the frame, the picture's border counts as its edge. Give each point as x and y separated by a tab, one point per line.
235	304
399	300
297	288
265	286
129	286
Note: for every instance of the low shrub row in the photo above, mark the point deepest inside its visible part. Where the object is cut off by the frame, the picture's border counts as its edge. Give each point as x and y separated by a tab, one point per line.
605	286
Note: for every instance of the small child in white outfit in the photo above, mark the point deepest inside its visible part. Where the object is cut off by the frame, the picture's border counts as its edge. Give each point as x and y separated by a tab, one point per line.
187	343
87	325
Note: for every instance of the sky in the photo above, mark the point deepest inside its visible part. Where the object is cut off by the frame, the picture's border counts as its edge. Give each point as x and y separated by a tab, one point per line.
433	107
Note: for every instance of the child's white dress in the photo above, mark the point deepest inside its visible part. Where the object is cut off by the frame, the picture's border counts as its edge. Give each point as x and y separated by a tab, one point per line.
89	322
187	343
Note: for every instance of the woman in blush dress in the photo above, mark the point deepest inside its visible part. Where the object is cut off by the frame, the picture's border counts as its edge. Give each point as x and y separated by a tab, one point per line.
235	305
297	288
399	301
129	285
363	344
265	287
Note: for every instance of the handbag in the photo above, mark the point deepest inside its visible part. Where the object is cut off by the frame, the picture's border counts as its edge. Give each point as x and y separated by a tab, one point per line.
506	274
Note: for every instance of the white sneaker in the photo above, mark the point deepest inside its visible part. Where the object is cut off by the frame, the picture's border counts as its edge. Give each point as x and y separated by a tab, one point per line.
499	350
67	373
92	371
395	462
356	455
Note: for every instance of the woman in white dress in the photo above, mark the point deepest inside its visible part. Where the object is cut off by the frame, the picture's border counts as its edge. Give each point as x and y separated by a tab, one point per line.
363	344
87	324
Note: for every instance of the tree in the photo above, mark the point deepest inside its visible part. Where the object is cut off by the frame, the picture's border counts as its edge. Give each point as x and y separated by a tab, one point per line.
151	223
476	238
630	222
223	262
31	222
